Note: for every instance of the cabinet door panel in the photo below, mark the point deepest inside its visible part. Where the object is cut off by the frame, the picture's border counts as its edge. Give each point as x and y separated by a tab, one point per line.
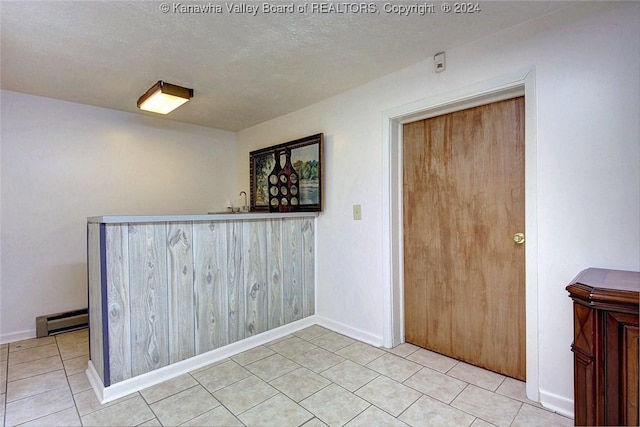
630	375
584	353
621	378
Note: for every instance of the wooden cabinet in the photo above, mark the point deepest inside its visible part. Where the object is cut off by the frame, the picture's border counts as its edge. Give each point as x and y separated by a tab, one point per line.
605	346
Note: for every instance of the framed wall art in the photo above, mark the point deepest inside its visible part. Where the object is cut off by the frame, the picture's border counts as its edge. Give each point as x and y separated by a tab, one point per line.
287	177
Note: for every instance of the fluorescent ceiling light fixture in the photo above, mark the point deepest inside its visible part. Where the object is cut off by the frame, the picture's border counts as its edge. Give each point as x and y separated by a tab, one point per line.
164	97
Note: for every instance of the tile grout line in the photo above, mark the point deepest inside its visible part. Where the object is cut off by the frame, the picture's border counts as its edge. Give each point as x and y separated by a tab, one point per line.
370	404
462	410
290	358
6	398
517	412
482	388
217	400
361	412
73	399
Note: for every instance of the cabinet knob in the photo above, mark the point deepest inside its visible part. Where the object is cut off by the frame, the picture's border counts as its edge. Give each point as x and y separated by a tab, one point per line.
518	238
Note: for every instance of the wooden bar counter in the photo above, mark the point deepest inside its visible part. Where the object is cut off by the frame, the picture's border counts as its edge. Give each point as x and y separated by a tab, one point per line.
165	289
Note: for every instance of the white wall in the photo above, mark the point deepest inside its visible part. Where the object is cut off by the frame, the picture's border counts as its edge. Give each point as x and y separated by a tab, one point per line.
62	162
587	68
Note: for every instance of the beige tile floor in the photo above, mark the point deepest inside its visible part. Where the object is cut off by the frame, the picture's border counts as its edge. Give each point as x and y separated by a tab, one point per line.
314	377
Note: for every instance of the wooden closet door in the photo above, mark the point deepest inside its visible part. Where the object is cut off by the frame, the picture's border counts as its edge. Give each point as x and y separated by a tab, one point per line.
464	275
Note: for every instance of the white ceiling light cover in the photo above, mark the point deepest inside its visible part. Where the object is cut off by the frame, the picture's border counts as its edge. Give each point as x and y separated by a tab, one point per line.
163	98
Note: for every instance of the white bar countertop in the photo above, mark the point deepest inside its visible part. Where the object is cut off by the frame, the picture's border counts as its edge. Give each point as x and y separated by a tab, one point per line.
222	216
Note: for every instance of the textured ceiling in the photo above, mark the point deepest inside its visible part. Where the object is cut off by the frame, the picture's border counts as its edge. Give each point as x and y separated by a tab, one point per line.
244	68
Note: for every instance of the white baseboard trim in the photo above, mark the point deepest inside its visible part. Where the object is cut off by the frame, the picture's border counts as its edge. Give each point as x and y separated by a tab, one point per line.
17	336
357	334
132	385
95	381
555	403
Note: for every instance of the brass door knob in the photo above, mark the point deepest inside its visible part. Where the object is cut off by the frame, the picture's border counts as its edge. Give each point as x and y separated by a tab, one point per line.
518	238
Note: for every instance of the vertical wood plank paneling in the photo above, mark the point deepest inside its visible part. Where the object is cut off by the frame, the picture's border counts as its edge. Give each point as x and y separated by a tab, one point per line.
175	290
292	269
209	253
95	298
118	302
181	307
149	297
235	279
308	267
254	255
274	273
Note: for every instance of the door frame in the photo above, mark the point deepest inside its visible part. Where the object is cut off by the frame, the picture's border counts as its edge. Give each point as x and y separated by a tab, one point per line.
504	87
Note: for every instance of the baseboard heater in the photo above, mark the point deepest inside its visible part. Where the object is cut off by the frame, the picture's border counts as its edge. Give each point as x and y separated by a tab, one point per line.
61	322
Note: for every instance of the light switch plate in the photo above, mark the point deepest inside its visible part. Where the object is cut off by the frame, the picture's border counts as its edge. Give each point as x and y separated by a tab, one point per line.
357	212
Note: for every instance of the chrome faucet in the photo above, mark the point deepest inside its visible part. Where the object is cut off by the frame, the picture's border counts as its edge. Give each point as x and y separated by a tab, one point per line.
245	207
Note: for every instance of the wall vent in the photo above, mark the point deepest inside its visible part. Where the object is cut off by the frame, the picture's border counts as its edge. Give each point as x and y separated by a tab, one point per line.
61	322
